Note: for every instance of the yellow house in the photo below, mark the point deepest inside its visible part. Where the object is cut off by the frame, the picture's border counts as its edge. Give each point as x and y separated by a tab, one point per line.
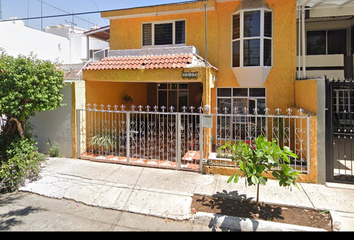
221	53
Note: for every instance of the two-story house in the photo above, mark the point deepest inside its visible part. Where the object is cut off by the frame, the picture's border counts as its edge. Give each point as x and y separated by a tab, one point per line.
228	54
250	49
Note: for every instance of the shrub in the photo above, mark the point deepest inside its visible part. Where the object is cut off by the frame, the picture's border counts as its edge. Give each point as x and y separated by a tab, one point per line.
54	149
15	171
19	161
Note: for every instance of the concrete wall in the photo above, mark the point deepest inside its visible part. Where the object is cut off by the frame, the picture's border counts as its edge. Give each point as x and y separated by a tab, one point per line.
55	125
310	95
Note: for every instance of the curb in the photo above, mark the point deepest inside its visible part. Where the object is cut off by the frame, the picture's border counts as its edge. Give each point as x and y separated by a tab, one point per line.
246	224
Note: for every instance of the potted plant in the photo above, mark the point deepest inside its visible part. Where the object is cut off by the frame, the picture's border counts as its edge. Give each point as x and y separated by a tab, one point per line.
127	99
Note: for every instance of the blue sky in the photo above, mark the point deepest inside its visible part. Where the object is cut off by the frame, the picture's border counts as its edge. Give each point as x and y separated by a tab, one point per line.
32	8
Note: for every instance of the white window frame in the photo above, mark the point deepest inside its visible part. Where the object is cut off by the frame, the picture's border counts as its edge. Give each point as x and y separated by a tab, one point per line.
173	33
261	37
168	90
248	97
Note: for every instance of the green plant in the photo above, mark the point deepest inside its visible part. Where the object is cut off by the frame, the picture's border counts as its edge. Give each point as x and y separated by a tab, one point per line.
127	99
28	85
15	171
263	156
102	142
53	149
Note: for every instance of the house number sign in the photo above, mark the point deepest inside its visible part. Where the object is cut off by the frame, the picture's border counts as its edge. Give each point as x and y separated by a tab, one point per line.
190	74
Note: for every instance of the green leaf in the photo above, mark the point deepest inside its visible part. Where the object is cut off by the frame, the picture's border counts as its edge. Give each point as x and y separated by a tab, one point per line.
231	177
262	180
254	179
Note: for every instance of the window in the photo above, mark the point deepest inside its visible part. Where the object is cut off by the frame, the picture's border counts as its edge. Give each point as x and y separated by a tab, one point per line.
164	33
252	38
172	94
235	100
327	42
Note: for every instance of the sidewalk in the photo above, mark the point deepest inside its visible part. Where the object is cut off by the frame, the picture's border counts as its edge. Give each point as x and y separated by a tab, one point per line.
168	193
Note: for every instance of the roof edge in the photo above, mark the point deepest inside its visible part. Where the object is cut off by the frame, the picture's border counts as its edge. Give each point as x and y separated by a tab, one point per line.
163	9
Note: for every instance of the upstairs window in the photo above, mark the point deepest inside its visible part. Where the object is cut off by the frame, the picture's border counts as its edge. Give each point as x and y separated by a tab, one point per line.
164	33
327	42
252	32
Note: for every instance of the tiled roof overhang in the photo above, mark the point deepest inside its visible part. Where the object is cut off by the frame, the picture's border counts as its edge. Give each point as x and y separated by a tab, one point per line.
169	61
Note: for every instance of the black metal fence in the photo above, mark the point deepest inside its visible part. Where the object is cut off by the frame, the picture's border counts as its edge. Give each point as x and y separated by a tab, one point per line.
340	130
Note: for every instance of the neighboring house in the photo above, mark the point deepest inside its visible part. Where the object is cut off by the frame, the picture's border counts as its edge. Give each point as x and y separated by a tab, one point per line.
63	44
326	34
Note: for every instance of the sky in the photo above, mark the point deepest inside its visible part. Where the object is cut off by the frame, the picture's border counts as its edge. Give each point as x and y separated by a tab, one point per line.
32	8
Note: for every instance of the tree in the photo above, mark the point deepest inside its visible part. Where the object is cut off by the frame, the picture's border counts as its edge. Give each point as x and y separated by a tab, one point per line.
27	85
264	156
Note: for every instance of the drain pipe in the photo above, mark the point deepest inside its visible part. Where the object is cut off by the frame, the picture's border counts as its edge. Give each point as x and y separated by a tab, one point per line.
303	38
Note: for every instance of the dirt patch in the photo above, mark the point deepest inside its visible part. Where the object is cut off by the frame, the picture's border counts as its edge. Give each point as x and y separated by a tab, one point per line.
269	212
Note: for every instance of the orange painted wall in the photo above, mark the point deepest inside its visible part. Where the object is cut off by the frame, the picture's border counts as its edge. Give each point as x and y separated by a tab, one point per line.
112	93
279	83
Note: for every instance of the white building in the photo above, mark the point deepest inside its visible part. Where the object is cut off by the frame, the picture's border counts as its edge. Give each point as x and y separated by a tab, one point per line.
71	48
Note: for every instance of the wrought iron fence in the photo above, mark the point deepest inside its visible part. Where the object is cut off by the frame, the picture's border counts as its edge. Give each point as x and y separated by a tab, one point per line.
160	137
291	130
155	138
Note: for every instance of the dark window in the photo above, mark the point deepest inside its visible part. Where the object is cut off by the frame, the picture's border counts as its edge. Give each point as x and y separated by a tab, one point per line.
352	37
163	34
236	26
147	34
236	54
267	61
240	92
327	42
251	52
180	32
337	42
316	42
257	92
224	92
268	24
252	24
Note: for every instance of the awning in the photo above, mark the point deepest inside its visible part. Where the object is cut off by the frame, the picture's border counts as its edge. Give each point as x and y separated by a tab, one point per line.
102	33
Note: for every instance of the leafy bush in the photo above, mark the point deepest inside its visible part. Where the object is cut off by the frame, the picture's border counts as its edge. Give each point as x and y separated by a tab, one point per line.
15	171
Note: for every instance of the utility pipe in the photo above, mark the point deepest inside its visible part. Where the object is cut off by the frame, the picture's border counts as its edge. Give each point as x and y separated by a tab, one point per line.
304	38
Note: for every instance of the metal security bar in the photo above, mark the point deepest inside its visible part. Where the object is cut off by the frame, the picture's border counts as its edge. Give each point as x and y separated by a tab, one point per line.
165	139
340	130
160	137
287	129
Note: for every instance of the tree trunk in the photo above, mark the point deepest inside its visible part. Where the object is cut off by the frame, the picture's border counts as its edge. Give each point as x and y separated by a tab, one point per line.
13	125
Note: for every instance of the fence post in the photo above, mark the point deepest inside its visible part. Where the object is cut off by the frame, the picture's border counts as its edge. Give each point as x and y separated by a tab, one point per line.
78	133
128	136
178	140
201	141
308	160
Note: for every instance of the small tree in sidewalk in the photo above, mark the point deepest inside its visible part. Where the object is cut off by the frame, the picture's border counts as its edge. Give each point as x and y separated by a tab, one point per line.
263	156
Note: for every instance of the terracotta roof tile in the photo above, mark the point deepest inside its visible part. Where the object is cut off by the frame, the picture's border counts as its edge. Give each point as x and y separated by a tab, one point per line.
147	62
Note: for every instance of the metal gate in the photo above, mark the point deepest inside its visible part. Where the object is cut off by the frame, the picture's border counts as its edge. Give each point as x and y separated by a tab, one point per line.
340	130
164	139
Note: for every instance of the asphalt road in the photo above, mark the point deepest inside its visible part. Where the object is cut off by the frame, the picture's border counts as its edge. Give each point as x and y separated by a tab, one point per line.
20	211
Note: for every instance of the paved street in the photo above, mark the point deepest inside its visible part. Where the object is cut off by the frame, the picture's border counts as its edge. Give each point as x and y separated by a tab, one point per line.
82	195
22	211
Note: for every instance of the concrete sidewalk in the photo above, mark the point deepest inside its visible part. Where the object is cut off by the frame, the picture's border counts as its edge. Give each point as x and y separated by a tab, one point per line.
168	193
